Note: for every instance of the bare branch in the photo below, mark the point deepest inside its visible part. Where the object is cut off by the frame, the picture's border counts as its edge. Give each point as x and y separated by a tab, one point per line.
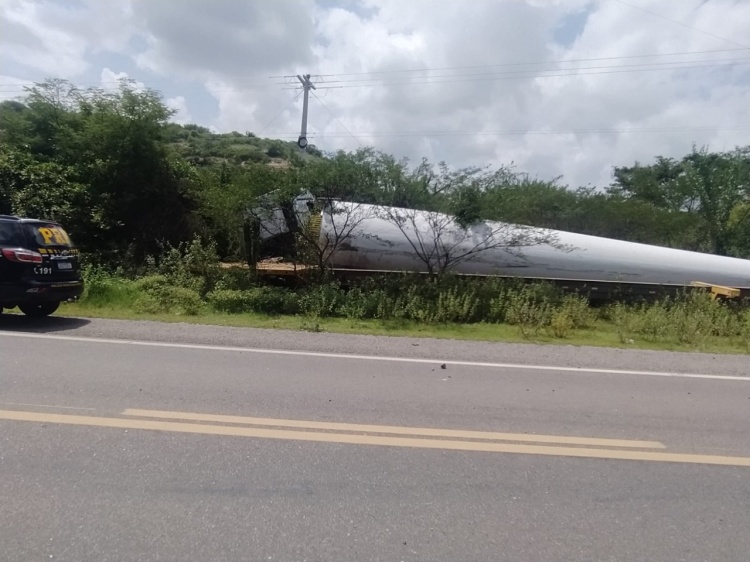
441	243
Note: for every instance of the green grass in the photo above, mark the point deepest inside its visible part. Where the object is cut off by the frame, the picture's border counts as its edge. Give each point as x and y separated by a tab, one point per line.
533	315
602	334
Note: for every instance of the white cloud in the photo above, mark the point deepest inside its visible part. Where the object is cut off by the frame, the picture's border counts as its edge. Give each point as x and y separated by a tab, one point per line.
224	39
110	80
179	105
34	41
54	38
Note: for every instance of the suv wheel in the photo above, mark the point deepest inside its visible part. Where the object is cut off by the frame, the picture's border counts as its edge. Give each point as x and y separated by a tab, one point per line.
39	310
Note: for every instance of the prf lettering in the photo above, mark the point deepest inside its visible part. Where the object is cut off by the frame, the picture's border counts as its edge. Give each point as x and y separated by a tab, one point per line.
55	235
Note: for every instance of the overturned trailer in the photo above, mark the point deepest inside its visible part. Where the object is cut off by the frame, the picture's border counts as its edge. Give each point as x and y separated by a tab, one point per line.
368	238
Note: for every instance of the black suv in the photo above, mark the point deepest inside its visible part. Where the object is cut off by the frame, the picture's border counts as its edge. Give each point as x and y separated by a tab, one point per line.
39	267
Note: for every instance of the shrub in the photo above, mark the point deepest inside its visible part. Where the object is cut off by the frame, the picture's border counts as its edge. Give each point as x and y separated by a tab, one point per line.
744	329
101	288
273	300
266	300
528	308
689	318
236	278
622	318
193	265
321	301
147	304
151	283
159	295
98	282
456	305
561	323
171	300
229	300
358	304
202	260
696	316
530	317
578	310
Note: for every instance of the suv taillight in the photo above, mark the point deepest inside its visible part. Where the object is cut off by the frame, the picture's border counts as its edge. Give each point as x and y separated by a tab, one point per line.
21	255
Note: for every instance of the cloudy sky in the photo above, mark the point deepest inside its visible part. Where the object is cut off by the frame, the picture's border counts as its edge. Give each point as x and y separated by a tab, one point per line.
558	87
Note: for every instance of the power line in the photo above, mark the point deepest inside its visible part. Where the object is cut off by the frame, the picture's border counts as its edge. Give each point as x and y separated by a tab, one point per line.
494	77
113	84
532	63
20	87
12	88
517	132
687	64
682	24
291	101
337	119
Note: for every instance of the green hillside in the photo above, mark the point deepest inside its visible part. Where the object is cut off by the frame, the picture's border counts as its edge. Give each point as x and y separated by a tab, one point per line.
199	146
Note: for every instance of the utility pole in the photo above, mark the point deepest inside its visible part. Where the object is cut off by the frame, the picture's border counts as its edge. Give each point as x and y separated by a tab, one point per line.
306	85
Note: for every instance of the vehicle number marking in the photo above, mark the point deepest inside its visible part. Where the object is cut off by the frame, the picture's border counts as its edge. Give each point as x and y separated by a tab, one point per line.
43	270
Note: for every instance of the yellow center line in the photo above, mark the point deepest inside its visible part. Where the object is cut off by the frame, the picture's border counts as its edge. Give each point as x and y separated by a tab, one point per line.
395	430
476	446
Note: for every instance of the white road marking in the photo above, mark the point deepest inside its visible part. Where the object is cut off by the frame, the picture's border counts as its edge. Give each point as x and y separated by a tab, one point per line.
325	355
46	406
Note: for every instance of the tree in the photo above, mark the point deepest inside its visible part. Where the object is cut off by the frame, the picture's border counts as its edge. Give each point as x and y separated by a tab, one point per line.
328	228
14	124
467	206
53	120
719	182
525	201
98	161
43	190
655	184
227	192
702	190
739	228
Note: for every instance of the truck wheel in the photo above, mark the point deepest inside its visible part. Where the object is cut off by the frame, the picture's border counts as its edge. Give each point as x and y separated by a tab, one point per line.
39	310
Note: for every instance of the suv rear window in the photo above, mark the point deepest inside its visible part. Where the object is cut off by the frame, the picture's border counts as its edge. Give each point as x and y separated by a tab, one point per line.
46	234
11	234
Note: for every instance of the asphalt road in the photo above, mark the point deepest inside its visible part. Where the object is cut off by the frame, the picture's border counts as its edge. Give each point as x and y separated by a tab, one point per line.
142	441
